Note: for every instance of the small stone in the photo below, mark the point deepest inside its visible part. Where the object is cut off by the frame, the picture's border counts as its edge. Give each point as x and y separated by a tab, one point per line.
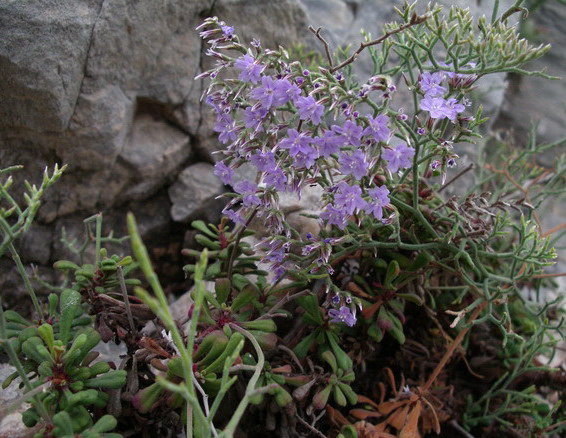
194	189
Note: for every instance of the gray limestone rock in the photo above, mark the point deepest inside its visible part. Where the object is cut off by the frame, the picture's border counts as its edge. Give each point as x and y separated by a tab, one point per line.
42	57
154	151
192	191
535	100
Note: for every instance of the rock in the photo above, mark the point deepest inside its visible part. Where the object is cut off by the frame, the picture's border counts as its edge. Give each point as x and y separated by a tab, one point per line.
155	150
11	425
194	188
537	100
311	199
12	392
44	48
35	245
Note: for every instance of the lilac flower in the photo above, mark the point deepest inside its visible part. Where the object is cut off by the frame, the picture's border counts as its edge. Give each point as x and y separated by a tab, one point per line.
355	164
309	109
247	189
265	93
278	272
264	161
296	142
440	108
285	91
377	127
430	84
351	132
334	216
227	128
436	106
250	70
235	217
453	108
329	143
276	178
225	173
398	157
306	158
349	198
343	315
275	251
254	118
380	199
227	31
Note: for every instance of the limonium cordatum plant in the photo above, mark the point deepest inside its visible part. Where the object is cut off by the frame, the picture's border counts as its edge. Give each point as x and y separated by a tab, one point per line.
401	312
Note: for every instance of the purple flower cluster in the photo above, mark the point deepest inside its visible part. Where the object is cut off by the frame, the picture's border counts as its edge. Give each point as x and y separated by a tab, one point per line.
398	157
344	315
434	102
278	117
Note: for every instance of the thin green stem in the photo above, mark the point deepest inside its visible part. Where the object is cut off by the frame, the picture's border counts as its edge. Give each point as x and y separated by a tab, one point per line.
25	277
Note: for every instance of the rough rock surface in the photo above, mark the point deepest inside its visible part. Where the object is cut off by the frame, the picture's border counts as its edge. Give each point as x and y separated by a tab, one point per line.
538	100
193	190
11	425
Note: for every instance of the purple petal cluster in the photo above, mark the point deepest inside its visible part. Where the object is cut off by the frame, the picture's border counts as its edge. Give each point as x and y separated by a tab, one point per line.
433	102
226	127
225	173
253	118
329	143
349	198
355	164
276	179
334	216
379	200
248	191
309	109
440	108
377	127
398	157
344	315
350	132
430	84
250	70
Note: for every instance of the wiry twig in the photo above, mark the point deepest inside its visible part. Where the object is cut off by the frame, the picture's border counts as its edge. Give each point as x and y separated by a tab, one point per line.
460	429
120	274
293	356
311	428
467	169
281	303
450	351
324	42
415	19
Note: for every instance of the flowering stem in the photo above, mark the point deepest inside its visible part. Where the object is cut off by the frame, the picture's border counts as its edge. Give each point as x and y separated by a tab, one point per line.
27	282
